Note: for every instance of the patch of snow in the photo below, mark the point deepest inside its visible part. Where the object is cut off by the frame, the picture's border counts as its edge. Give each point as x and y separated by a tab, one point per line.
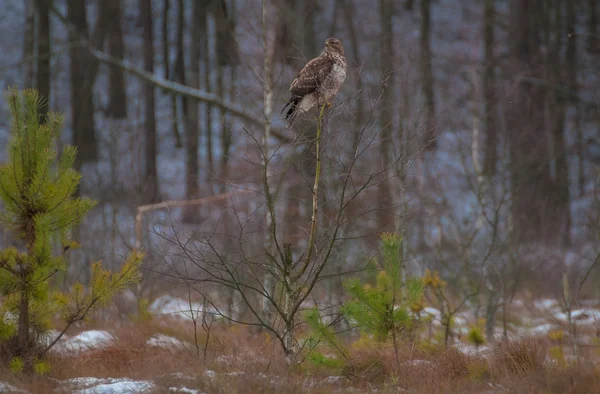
9	388
165	341
90	385
418	363
437	315
545	304
472	349
333	379
585	316
49	336
170	306
183	390
84	341
210	373
541	329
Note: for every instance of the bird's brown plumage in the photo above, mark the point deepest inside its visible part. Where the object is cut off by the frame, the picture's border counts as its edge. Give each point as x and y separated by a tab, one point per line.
318	81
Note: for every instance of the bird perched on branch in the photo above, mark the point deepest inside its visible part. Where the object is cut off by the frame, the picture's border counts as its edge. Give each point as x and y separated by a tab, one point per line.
318	81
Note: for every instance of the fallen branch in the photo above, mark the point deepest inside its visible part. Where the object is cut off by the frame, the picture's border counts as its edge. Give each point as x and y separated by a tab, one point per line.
176	204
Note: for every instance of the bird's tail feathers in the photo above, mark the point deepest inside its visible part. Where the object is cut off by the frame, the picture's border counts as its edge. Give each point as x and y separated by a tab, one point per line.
290	116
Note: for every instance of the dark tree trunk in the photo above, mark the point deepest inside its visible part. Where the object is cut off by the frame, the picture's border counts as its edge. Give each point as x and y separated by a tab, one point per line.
489	91
529	166
192	189
167	66
385	217
296	36
349	11
427	75
42	80
286	40
593	42
558	106
151	174
29	45
227	48
117	105
309	39
82	81
227	57
206	61
179	69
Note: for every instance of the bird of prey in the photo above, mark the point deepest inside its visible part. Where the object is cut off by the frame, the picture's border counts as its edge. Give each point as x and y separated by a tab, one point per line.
319	80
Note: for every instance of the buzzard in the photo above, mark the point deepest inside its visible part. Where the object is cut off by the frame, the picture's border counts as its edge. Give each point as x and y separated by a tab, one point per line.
319	80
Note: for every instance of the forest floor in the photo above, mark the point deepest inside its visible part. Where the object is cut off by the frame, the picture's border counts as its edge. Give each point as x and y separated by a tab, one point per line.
161	354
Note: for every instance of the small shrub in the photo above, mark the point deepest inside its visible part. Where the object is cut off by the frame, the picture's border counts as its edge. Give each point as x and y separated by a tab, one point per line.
320	360
42	368
557	354
16	365
557	335
476	336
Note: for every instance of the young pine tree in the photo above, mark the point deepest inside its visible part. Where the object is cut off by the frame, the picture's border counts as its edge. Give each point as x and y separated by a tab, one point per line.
384	310
36	195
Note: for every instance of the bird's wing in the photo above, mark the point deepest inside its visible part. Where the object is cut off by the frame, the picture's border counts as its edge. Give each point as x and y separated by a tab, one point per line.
311	76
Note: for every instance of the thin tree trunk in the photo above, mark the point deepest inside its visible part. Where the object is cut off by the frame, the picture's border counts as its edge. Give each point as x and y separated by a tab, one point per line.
83	70
206	61
489	91
385	219
270	209
151	174
168	76
179	59
349	10
427	75
192	134
42	80
117	94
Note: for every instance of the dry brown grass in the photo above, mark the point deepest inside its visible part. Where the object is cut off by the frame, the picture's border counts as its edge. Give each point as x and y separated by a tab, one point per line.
520	357
240	360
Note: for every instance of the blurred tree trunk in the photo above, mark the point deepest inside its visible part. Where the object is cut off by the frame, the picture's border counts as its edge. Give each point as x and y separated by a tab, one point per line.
489	91
151	191
42	58
117	104
310	10
593	43
349	11
168	76
385	217
571	76
29	45
207	68
532	203
83	72
192	189
227	58
179	69
427	75
571	70
296	34
557	100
